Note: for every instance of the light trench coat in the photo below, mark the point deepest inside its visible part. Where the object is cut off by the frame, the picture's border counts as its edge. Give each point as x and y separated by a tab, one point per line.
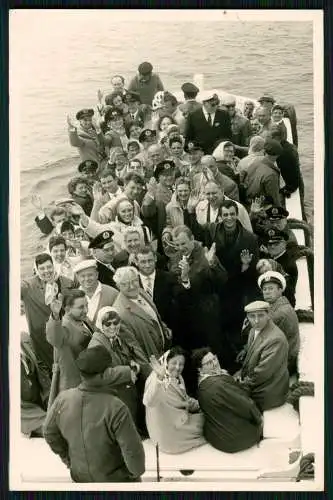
169	422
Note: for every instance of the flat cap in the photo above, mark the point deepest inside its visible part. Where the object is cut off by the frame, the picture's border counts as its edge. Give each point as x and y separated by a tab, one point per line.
258	305
147	134
145	68
101	239
276	213
84	264
189	87
272	235
273	147
93	360
84	113
164	167
88	165
266	98
272	277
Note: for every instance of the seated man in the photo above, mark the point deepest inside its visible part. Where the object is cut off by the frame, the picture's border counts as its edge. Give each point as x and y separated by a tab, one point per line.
108	448
273	285
232	421
264	373
35	388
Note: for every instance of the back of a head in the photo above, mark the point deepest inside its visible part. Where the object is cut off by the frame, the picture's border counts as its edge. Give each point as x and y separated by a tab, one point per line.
93	361
273	147
198	355
257	144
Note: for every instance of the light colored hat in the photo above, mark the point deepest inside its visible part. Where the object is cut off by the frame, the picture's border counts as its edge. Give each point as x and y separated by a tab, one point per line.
272	277
228	100
258	305
85	264
207	95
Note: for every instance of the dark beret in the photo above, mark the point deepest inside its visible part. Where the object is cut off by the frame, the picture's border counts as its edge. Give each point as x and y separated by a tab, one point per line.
189	87
112	114
145	68
93	361
165	166
147	134
272	235
273	147
132	97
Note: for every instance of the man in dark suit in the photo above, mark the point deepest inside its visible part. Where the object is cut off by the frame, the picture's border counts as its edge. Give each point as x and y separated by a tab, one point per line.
160	285
208	124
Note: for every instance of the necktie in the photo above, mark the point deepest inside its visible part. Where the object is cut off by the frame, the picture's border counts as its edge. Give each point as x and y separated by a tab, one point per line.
133	116
210	119
149	287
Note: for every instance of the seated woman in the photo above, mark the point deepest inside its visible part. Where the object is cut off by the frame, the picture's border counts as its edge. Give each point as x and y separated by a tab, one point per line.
174	420
232	420
227	162
125	352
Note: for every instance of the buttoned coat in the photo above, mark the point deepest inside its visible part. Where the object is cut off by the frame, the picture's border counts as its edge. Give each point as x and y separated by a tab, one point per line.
285	317
169	422
265	367
197	129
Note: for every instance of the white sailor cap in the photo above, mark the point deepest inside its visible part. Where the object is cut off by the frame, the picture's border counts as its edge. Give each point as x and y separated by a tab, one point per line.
228	100
84	264
258	305
207	95
272	277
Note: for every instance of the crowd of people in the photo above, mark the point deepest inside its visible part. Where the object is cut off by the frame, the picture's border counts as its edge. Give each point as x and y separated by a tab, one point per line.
163	304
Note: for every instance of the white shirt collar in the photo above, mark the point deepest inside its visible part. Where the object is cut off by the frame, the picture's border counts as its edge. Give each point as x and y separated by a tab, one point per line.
96	292
205	112
144	278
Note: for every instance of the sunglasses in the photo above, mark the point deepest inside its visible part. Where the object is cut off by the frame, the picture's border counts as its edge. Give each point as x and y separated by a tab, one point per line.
114	322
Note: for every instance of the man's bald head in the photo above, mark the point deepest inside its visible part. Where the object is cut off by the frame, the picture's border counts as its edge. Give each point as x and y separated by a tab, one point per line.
155	153
214	193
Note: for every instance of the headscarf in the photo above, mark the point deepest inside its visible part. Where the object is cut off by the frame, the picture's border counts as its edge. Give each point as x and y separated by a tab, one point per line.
101	314
218	152
158	100
168	379
51	289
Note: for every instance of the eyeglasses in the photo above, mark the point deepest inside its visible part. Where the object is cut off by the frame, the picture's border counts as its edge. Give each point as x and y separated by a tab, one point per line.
114	322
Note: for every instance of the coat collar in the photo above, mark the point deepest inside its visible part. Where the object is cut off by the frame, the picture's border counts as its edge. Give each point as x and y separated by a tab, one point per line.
137	310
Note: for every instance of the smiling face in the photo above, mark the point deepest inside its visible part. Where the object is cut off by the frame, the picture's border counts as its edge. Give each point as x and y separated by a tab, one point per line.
184	244
117	83
132	242
165	122
183	192
86	123
46	271
176	365
213	194
125	212
155	155
109	184
135	131
135	166
105	254
176	149
263	115
168	179
130	286
258	319
229	218
133	150
146	263
111	325
88	278
276	248
132	190
277	115
228	153
81	189
58	253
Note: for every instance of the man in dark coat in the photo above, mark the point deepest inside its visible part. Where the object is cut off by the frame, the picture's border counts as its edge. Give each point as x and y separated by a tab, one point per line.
107	446
208	124
35	388
288	163
264	373
238	252
232	421
285	253
197	317
146	83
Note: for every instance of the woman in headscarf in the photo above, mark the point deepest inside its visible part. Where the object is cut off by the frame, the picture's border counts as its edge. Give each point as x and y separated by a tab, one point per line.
37	294
227	162
125	353
174	420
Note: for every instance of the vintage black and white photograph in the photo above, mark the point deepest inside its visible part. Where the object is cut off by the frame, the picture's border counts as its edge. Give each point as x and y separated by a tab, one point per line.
166	243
